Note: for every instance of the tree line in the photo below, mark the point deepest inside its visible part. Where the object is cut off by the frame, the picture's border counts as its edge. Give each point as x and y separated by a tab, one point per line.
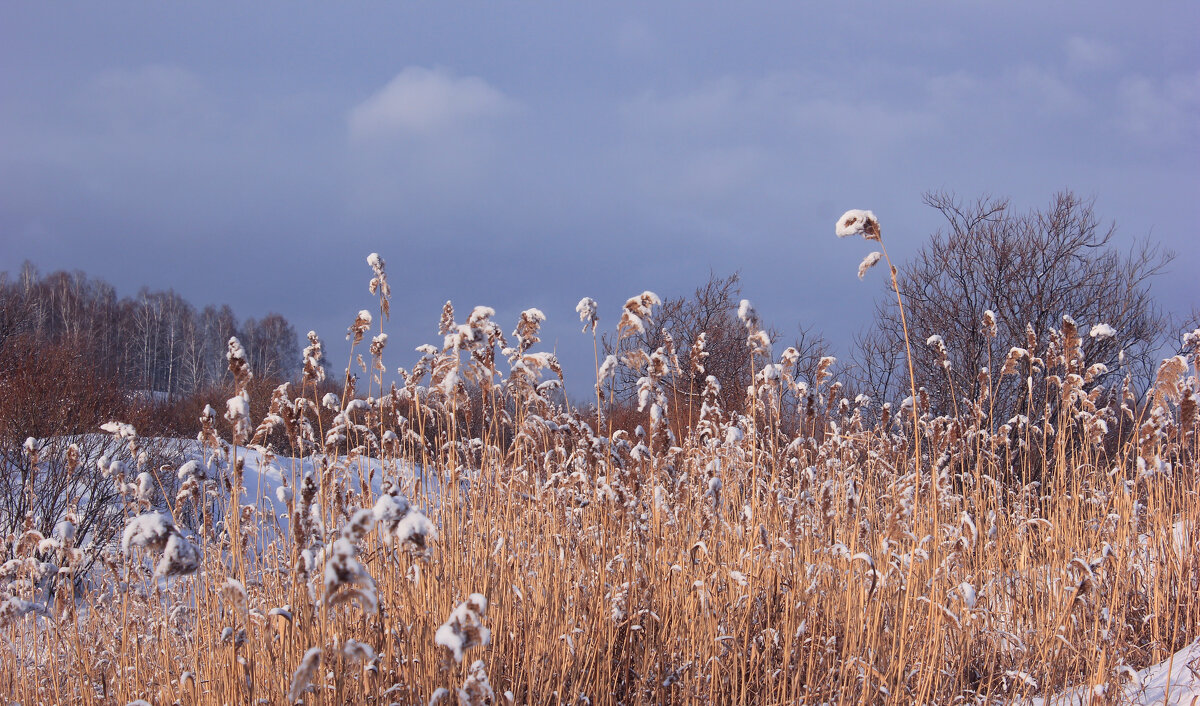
1028	268
154	343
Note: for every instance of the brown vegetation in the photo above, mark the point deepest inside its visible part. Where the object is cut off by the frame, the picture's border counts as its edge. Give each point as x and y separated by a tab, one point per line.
759	552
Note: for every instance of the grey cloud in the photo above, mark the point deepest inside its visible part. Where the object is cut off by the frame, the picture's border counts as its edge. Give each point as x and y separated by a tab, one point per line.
428	140
1160	111
422	101
1088	53
573	152
150	97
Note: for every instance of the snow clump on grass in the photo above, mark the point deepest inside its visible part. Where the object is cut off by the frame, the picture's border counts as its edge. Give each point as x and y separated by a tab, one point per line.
464	628
587	313
346	578
304	674
476	689
156	532
636	314
400	523
857	221
868	262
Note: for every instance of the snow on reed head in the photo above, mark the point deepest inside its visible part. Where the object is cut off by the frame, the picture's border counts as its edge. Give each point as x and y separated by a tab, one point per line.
989	324
1169	383
346	578
150	530
698	354
314	369
587	313
361	324
364	653
237	408
379	284
481	328
358	650
868	262
400	523
179	558
234	594
446	324
528	328
377	345
1102	331
464	628
749	315
857	221
476	689
1012	360
758	340
13	608
238	365
155	531
304	674
145	488
637	313
608	368
31	450
120	430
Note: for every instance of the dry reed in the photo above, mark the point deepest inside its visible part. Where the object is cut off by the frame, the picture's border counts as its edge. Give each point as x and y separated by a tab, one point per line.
562	561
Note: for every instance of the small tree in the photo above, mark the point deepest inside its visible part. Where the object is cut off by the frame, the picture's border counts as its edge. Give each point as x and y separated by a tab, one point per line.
55	395
1030	269
710	310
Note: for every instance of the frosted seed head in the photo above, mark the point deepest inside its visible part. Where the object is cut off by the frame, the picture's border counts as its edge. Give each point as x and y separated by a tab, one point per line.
856	221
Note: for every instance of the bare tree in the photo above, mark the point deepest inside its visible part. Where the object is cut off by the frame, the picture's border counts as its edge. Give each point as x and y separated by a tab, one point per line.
710	310
153	342
52	393
1182	326
271	346
812	347
216	325
1030	269
14	308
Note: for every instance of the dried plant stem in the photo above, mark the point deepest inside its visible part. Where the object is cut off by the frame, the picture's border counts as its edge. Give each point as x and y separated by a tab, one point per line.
912	377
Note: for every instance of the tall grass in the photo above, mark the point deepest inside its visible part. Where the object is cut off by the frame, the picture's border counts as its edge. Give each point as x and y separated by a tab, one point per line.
768	557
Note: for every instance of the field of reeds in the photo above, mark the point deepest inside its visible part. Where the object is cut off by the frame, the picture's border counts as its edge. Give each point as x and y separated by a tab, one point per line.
464	535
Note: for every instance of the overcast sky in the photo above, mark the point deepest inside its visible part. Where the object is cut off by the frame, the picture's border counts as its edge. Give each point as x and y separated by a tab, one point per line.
529	154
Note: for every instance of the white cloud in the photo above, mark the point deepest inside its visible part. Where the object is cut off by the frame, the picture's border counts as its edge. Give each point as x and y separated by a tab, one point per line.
420	101
429	141
1085	54
1160	111
733	133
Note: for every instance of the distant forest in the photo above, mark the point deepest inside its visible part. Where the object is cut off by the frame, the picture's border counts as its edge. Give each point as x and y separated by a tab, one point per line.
153	342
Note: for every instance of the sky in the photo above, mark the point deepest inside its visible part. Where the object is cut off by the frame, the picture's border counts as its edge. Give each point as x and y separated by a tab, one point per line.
522	155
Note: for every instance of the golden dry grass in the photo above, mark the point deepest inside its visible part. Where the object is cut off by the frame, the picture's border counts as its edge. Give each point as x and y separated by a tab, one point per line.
735	563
